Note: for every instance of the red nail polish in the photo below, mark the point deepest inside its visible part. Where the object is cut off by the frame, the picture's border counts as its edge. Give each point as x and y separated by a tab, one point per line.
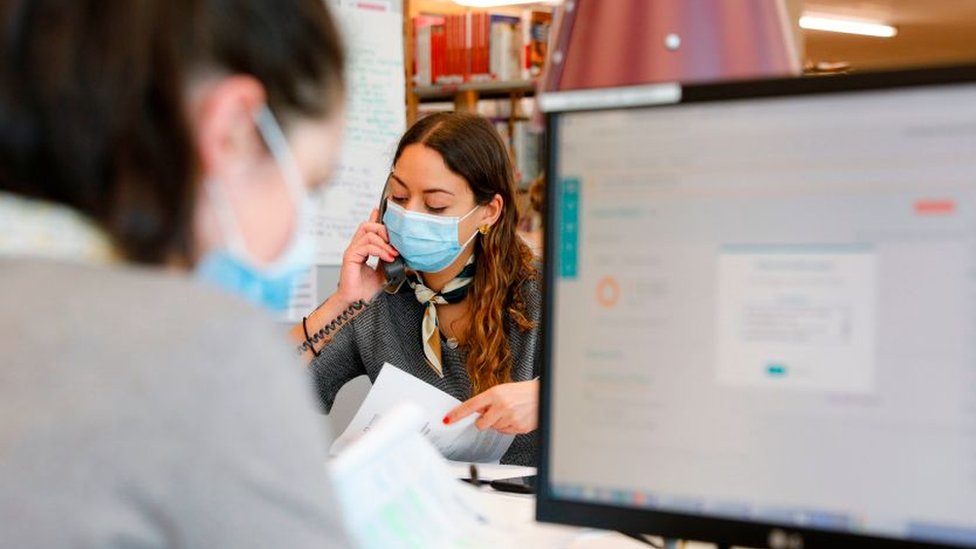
447	420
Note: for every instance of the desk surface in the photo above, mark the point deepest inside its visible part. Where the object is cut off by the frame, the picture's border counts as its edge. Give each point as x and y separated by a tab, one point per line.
516	513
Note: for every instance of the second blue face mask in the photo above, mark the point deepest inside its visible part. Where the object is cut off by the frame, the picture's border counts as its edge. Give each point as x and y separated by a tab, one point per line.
231	267
428	243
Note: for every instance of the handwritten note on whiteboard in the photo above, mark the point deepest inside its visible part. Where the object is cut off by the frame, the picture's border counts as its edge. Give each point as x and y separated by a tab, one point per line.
375	120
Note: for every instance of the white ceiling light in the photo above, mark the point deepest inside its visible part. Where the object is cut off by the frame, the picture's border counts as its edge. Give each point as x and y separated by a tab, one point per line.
848	26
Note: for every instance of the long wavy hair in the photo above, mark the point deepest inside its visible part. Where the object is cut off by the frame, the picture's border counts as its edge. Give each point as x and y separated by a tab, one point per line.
473	149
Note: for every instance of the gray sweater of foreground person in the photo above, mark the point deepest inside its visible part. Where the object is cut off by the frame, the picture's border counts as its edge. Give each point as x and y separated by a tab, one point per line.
140	409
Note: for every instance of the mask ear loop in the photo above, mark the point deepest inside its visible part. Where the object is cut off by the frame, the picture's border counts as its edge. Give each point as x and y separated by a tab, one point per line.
465	245
274	137
277	145
465	216
477	231
225	218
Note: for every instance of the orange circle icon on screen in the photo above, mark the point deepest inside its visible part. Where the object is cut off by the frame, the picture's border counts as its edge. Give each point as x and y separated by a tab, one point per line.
608	292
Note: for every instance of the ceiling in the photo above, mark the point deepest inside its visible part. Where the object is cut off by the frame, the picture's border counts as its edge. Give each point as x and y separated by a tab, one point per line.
930	32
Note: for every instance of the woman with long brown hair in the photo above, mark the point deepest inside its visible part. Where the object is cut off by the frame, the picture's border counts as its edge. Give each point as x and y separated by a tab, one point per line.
466	320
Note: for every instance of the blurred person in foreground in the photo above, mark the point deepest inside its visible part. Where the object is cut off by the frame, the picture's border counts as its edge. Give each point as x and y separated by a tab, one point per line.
154	159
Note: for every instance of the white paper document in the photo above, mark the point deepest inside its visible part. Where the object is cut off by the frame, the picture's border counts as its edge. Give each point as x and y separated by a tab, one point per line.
460	441
396	491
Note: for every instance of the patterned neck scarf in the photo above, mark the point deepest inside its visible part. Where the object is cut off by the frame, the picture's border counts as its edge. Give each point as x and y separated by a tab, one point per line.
453	292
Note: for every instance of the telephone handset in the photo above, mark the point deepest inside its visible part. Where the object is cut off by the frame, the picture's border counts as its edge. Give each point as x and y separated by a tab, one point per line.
396	270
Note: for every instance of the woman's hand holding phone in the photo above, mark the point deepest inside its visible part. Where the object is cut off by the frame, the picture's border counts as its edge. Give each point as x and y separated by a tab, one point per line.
357	280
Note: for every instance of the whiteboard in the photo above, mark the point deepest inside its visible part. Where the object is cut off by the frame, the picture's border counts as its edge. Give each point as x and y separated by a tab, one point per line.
375	120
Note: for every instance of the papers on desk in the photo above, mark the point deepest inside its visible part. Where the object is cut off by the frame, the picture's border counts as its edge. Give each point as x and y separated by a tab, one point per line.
397	491
460	441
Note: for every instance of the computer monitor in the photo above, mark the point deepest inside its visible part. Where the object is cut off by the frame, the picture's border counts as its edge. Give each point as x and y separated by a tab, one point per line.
760	313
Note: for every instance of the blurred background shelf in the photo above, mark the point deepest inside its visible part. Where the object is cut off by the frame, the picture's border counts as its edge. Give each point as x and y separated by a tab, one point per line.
484	90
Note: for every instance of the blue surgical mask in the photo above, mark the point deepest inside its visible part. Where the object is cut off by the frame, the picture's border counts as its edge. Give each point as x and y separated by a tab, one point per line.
231	266
428	243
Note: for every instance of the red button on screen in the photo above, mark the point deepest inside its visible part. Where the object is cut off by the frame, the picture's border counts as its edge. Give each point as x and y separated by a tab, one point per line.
935	207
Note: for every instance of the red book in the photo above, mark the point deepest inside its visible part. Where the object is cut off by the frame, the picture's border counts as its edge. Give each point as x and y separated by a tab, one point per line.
424	29
449	29
484	29
457	69
438	52
475	41
476	44
453	67
466	46
482	43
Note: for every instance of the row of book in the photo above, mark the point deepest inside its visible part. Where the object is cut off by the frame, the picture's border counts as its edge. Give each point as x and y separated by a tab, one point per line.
525	144
522	137
479	47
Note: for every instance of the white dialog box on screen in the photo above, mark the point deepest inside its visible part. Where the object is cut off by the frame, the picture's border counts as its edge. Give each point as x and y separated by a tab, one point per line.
796	319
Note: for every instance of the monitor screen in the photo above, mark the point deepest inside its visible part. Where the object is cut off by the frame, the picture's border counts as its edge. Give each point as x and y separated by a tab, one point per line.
761	314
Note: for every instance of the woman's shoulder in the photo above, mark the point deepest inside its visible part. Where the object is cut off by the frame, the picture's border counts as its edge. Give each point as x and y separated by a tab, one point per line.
531	289
170	321
532	281
199	321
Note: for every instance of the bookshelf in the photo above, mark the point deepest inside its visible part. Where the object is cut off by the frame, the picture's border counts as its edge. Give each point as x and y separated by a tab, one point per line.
482	90
466	96
508	110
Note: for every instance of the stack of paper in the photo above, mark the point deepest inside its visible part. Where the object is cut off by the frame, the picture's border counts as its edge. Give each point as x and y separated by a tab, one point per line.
397	490
460	441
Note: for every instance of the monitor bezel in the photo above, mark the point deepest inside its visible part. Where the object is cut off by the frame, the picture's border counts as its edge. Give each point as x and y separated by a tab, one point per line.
687	526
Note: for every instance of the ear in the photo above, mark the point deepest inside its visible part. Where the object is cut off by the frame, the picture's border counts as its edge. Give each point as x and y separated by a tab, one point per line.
491	211
223	118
